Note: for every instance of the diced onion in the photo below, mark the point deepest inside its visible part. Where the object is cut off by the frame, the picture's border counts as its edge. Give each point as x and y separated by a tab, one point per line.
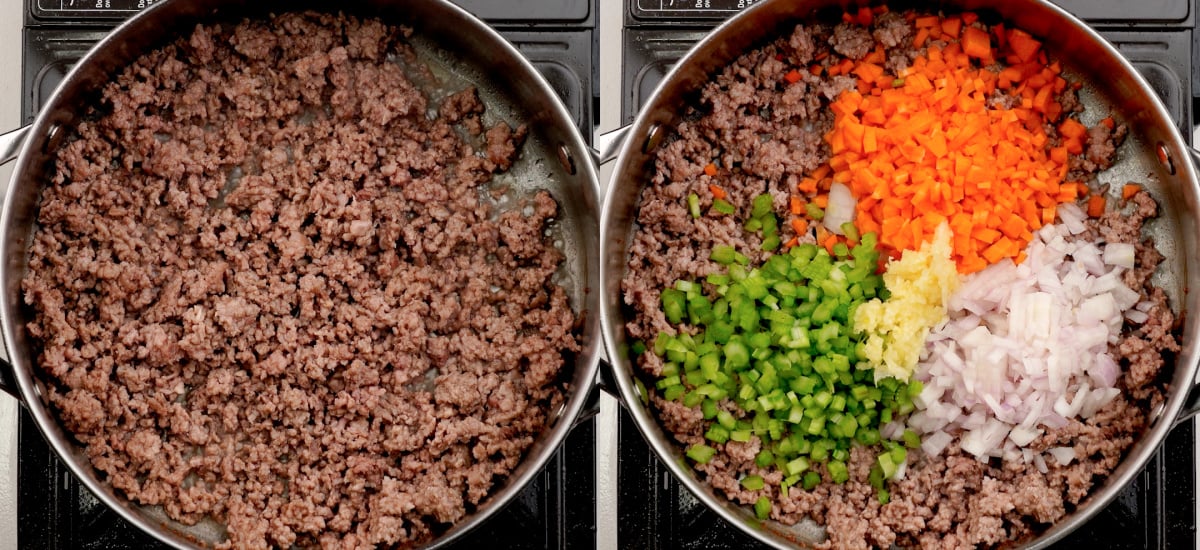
1025	348
1062	455
934	443
1120	254
840	209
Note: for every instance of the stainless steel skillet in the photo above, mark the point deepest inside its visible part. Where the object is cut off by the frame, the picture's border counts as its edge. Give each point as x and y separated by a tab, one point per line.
555	156
1112	85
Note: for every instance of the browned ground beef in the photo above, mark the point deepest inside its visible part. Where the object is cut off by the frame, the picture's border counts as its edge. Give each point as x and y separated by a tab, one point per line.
351	346
765	135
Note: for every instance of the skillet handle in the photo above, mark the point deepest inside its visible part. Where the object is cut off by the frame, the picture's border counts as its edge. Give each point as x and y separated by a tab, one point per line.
8	380
608	144
604	384
11	142
10	145
605	147
1192	406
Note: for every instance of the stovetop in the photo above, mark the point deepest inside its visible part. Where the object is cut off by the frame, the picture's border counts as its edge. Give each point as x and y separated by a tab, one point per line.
556	510
605	488
1157	511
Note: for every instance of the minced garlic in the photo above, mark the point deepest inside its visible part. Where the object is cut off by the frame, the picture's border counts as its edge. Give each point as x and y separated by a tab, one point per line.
920	283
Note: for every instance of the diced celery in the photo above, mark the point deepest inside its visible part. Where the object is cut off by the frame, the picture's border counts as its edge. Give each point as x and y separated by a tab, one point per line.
723	207
811	480
796	466
717	434
752	482
762	508
701	453
761	205
838	471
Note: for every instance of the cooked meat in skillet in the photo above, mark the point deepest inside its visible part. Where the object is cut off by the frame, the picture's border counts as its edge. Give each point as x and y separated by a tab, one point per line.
274	288
757	128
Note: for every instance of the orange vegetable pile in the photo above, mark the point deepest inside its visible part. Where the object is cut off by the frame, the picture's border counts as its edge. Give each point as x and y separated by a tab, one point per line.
924	147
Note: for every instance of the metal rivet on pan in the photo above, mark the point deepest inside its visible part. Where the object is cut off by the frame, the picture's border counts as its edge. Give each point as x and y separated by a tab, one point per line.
53	137
653	139
1165	158
567	160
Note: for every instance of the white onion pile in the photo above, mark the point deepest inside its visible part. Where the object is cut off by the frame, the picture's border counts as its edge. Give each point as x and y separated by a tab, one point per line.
1026	347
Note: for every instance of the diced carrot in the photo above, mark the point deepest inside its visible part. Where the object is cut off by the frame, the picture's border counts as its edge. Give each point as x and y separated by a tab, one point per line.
1001	36
1007	77
1068	192
1048	215
877	56
1074	145
792	242
829	243
868	72
920	38
792	76
926	148
815	69
1059	155
1095	206
865	16
1014	226
710	169
717	192
1002	248
976	43
1108	121
927	21
796	205
1023	45
951	26
1130	190
970	17
1071	128
1053	110
822	233
799	225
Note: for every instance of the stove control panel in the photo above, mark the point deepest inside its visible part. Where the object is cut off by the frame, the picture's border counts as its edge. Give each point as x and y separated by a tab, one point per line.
88	9
688	9
1169	12
110	12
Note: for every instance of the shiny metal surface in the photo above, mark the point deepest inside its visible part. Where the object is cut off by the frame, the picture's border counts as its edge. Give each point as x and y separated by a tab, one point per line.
11	142
10	409
1112	86
472	49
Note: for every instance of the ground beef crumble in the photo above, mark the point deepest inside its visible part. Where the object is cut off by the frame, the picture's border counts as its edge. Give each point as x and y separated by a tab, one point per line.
766	134
271	289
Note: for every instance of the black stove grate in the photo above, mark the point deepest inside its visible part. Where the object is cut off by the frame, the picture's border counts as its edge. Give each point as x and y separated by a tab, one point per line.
556	510
1158	510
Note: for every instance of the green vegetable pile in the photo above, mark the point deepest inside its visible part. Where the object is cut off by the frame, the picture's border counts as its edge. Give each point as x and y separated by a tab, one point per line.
778	341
